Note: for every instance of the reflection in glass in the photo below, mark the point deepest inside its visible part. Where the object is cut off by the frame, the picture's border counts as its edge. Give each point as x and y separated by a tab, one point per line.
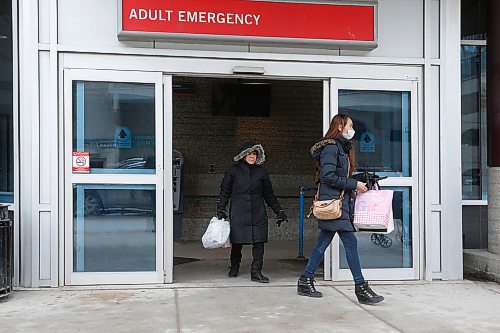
475	227
473	19
388	251
6	105
382	123
474	140
115	122
114	228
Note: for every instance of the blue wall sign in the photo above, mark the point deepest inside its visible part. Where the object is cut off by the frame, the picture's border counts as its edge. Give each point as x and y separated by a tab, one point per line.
367	142
123	137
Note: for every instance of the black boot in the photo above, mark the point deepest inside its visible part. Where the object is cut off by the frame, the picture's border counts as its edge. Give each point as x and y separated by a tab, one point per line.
233	272
258	277
235	260
305	287
366	295
258	261
256	272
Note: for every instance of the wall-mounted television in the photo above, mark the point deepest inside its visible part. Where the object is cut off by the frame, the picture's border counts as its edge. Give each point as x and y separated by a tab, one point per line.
241	99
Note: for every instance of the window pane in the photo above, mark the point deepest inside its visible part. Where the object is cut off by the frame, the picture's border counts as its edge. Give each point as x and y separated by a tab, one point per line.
473	19
382	123
6	105
475	227
115	122
114	228
388	251
6	154
474	150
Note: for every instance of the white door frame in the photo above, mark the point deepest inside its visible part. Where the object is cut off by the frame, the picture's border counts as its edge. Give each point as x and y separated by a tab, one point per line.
156	179
168	209
412	181
327	258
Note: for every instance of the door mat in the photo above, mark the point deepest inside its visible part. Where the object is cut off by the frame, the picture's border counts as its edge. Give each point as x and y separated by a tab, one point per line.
184	260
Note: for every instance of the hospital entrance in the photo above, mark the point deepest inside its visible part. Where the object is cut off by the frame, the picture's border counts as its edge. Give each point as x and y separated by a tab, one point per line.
212	117
158	146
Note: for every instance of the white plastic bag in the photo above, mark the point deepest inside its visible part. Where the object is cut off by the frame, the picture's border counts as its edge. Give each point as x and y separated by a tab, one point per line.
217	234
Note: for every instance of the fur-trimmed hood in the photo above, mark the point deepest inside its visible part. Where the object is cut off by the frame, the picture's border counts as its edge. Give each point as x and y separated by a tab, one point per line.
249	147
318	146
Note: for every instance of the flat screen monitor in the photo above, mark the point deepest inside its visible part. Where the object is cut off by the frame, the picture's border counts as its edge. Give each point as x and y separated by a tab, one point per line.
241	99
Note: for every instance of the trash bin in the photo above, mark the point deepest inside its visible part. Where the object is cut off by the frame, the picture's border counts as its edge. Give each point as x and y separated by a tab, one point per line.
6	252
177	162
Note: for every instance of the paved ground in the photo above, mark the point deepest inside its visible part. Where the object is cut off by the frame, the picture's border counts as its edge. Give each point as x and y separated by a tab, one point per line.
468	306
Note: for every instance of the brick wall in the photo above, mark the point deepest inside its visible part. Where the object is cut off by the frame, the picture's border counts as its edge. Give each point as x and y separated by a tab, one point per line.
209	143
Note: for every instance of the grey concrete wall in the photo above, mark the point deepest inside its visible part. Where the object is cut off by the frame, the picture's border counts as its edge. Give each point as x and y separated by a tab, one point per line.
294	124
93	23
494	210
482	264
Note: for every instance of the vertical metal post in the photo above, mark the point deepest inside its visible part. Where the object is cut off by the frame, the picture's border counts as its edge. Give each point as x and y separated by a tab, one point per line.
301	224
303	190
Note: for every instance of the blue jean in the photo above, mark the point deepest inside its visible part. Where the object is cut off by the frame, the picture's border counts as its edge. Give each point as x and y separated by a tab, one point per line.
351	252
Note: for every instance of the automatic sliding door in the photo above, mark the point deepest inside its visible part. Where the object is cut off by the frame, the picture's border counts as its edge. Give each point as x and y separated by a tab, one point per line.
384	115
114	169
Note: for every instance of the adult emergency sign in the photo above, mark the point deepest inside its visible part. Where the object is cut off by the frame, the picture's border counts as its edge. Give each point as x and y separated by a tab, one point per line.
245	20
167	15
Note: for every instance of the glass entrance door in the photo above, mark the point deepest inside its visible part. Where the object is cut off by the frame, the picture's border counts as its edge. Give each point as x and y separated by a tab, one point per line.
114	171
384	113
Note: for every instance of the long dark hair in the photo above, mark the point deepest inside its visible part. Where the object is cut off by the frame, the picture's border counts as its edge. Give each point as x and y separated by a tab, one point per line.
340	120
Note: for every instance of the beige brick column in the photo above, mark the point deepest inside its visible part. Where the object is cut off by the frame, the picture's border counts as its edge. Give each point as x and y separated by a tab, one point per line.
493	86
494	210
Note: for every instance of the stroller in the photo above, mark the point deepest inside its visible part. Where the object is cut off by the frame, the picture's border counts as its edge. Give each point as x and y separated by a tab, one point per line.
370	179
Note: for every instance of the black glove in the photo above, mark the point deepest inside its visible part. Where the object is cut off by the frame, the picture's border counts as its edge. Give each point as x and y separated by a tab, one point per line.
221	215
281	217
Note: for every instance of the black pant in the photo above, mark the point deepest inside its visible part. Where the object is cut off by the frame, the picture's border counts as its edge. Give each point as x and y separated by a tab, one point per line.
257	253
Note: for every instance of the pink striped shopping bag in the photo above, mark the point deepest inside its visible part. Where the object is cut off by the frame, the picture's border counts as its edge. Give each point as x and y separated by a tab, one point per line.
373	211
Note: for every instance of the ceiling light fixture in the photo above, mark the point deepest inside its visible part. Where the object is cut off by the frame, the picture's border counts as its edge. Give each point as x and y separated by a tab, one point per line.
248	70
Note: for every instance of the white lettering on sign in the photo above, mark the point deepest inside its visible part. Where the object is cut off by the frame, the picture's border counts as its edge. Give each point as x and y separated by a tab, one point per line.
150	14
142	14
219	18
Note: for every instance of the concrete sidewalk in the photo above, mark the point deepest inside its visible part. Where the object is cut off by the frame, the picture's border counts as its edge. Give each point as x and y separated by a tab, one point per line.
465	306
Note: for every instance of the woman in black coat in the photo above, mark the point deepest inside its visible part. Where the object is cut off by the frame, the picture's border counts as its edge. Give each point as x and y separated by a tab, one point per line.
335	157
247	184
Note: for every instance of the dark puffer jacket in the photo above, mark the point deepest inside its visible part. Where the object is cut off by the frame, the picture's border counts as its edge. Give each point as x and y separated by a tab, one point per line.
248	186
333	178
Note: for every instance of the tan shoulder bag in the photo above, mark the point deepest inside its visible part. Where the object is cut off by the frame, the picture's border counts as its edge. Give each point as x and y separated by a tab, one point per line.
327	209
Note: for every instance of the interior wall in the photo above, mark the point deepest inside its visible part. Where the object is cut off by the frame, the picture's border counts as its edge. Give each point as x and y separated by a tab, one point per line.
209	143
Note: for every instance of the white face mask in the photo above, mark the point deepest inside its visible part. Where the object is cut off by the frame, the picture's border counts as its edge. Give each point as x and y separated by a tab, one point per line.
349	135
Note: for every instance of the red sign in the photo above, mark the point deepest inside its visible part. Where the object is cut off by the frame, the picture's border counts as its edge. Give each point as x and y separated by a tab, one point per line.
250	20
81	161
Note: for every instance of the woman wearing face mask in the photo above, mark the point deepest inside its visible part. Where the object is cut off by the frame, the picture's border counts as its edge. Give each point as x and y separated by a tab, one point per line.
247	184
335	159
